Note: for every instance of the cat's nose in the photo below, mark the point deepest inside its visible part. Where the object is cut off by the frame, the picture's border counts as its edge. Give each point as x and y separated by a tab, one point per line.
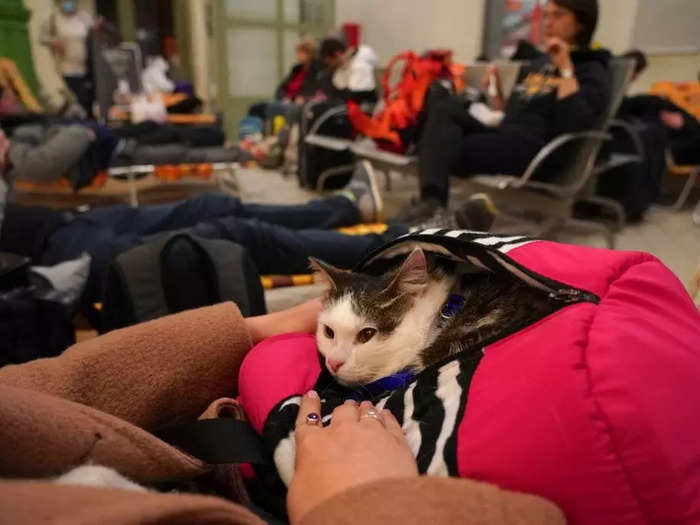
334	365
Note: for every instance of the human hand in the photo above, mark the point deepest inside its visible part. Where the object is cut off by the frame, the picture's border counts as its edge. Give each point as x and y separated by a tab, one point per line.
302	318
672	119
491	73
299	100
558	52
353	450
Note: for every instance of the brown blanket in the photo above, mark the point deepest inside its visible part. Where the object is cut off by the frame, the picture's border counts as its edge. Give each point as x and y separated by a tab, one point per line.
98	401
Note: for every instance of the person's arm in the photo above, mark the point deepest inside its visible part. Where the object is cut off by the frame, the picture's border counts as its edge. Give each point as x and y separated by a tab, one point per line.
47	35
492	85
362	466
558	52
280	91
582	95
438	501
168	369
52	159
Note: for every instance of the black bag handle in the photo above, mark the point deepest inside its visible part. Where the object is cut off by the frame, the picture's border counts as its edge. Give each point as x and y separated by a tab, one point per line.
219	440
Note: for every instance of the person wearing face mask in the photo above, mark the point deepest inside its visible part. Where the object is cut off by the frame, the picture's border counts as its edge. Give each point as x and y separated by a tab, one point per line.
65	32
565	88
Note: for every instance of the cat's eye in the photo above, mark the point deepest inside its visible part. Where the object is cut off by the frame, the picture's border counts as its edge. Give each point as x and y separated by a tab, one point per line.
366	334
328	331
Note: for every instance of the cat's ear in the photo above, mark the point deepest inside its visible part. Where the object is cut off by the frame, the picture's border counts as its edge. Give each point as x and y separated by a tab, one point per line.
412	277
327	274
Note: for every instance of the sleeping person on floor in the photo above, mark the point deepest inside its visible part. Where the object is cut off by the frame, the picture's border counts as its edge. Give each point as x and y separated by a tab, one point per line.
279	238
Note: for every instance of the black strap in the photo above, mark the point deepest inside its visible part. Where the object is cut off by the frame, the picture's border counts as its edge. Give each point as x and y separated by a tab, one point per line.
221	440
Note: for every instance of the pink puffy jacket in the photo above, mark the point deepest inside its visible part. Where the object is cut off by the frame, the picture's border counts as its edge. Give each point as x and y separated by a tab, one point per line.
595	407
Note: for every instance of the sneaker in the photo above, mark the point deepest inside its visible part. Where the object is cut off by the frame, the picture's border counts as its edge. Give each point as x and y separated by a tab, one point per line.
417	212
363	191
442	219
476	214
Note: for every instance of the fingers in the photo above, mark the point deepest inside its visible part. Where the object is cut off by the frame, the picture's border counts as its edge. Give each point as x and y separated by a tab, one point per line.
347	412
392	425
367	408
310	403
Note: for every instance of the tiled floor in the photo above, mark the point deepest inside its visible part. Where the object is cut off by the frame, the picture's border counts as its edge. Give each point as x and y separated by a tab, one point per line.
672	237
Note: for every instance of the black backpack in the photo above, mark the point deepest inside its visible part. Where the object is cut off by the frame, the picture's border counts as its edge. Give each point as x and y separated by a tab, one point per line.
35	319
176	273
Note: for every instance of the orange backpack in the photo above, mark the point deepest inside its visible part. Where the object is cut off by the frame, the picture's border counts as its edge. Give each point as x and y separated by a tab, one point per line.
403	102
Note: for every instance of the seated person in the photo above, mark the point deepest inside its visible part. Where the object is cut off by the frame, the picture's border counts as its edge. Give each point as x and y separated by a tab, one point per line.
300	84
279	238
682	128
350	74
565	90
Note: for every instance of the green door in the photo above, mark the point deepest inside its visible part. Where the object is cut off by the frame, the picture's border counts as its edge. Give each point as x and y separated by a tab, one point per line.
256	42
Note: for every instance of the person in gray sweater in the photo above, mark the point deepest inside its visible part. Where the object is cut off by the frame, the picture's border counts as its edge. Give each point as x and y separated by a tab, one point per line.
40	154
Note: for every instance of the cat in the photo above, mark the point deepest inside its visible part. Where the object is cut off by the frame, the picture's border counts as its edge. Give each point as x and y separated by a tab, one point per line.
371	327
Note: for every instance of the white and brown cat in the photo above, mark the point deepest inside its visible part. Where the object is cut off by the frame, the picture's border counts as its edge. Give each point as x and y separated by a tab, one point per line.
371	327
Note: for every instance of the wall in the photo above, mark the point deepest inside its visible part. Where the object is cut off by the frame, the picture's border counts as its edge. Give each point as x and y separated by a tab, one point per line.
49	79
616	24
616	32
391	26
394	25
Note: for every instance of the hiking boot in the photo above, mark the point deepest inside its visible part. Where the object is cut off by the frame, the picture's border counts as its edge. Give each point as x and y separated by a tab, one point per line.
417	212
363	191
477	213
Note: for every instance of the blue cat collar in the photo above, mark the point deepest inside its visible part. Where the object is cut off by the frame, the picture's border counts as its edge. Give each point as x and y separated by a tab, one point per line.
452	306
385	384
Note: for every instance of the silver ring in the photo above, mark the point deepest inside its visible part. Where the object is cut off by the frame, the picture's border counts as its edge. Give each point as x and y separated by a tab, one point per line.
313	419
372	414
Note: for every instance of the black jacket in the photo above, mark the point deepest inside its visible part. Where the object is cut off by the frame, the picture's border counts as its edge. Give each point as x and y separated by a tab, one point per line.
683	142
533	104
309	86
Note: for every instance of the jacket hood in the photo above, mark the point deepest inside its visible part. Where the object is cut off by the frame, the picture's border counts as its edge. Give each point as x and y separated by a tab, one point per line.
591	54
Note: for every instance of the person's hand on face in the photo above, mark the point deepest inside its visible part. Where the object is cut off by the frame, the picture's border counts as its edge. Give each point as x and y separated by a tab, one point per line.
354	449
558	51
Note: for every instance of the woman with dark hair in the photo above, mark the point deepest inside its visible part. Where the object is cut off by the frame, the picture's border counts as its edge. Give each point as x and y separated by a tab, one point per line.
564	89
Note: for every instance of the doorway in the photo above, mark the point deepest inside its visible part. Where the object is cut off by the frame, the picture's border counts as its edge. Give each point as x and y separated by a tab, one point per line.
256	42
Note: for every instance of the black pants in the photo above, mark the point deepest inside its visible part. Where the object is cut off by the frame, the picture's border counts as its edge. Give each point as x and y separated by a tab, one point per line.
455	143
279	239
83	91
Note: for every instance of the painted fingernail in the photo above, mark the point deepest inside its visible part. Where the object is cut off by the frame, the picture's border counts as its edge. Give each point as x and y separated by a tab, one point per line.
312	394
366	404
350	402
